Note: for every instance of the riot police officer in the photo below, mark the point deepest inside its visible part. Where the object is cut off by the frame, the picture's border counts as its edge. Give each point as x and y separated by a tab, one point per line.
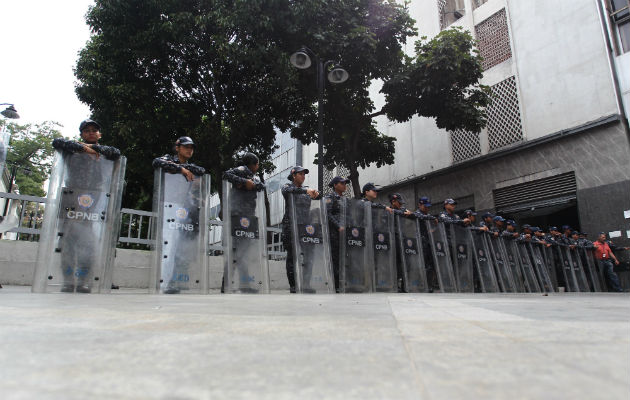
81	177
397	202
370	193
423	207
244	179
486	221
510	230
302	199
243	201
335	228
448	214
472	217
90	132
178	163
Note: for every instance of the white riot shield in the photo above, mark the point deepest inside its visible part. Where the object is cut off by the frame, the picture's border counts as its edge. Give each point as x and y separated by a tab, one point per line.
589	264
441	256
483	261
513	262
180	230
312	262
385	278
410	242
531	281
547	253
538	262
578	269
504	275
356	257
81	225
568	268
5	136
460	240
246	269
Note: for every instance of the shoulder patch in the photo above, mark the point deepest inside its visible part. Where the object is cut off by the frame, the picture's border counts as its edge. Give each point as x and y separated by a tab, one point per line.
241	168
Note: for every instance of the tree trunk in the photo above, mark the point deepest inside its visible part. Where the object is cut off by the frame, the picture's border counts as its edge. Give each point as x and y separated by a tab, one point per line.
354	179
219	174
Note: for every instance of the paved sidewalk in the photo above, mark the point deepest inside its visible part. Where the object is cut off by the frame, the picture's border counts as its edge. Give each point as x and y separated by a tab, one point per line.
429	346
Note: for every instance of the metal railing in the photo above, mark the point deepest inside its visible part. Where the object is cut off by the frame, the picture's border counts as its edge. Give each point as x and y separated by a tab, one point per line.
136	226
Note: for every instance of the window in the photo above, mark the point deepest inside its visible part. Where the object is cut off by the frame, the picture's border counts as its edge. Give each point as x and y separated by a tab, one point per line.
450	11
478	3
619	11
494	40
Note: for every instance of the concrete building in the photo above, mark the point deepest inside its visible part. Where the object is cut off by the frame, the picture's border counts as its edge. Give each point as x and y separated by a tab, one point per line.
556	149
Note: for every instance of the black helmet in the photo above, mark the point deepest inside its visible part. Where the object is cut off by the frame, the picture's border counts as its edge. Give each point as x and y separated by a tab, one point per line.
184	140
249	159
87	122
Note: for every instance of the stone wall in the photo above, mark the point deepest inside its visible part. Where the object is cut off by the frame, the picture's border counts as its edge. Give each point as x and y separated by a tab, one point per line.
599	157
131	268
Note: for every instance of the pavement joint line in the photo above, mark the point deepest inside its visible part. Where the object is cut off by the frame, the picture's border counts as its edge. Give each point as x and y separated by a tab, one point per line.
417	379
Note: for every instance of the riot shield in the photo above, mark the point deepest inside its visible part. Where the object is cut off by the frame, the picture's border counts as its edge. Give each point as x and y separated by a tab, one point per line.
531	281
180	254
441	256
483	262
569	269
311	261
504	274
356	257
589	264
410	243
5	136
384	251
514	264
578	269
81	224
540	267
550	261
460	240
246	269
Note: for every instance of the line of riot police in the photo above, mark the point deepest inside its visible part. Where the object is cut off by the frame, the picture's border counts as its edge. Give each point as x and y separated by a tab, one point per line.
333	243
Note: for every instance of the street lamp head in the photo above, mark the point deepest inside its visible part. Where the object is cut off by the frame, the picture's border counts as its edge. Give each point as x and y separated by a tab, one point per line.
338	75
300	59
10	112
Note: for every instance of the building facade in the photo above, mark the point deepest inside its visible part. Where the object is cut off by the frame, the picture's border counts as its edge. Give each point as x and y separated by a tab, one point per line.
556	149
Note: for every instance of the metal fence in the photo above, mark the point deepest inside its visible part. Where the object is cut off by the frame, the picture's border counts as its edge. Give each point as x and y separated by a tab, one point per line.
25	214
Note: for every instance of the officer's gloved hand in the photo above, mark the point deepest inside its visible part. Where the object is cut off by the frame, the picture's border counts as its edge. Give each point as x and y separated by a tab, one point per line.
259	185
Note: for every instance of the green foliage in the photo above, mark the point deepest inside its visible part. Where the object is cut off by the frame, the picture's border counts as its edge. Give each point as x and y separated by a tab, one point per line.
157	70
440	82
31	154
218	70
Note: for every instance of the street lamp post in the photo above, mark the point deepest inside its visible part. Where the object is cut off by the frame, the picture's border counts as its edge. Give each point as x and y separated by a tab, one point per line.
9	112
301	59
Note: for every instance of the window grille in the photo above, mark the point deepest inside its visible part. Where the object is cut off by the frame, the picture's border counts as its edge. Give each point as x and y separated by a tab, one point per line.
494	40
619	11
328	175
504	115
464	145
337	171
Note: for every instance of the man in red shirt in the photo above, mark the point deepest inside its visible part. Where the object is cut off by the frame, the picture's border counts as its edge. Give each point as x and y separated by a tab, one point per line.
603	254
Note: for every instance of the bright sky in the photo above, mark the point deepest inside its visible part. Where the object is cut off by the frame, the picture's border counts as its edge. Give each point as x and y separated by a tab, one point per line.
40	44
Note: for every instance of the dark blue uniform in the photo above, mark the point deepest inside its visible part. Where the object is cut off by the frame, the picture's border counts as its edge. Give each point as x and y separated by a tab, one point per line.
170	163
302	202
